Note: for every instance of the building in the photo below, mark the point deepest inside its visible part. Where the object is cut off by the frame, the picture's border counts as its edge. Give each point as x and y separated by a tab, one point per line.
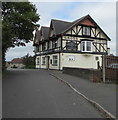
78	44
17	63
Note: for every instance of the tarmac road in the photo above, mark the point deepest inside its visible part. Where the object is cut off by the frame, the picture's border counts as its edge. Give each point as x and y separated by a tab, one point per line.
36	94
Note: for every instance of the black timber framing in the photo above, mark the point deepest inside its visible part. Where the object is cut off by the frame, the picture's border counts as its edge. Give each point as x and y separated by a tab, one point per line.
71	51
84	36
78	30
94	33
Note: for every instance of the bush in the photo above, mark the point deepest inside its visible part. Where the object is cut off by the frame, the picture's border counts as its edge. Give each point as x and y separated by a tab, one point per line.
14	66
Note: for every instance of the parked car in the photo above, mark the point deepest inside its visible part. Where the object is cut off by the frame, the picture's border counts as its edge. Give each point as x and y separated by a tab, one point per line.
113	65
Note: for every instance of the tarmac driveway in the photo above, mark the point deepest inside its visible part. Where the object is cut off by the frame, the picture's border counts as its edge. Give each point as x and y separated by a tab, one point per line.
36	94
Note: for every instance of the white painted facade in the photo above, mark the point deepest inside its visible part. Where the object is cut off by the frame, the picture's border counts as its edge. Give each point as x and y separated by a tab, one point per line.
71	60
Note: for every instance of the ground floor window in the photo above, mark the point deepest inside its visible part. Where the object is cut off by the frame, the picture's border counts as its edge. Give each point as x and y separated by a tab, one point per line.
43	60
55	60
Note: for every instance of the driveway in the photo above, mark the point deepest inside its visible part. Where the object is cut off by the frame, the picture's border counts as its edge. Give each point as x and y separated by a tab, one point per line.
103	94
37	94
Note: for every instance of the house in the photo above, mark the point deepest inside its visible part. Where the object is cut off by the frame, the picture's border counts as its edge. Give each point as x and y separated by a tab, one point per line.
17	63
78	44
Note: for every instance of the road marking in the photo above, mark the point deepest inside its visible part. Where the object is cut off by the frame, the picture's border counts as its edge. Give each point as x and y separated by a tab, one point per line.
95	104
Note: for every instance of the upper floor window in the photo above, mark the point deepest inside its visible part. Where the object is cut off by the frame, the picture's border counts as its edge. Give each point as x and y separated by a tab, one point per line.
86	31
55	44
37	48
71	45
49	45
86	46
44	46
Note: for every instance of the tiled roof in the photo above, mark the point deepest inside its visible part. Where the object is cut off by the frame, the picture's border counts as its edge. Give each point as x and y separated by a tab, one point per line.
60	25
37	37
45	31
17	60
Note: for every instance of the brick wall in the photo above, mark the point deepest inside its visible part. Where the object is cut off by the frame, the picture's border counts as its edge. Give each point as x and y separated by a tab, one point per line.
90	74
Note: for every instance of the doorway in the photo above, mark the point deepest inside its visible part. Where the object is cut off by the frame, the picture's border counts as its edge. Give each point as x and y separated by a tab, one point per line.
48	62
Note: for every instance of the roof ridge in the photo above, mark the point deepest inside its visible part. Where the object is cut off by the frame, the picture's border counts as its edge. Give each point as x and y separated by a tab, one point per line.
61	20
75	22
80	18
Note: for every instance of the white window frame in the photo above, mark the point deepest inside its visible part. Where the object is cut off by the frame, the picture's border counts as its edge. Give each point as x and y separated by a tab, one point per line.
85	46
55	43
44	46
55	60
86	31
43	60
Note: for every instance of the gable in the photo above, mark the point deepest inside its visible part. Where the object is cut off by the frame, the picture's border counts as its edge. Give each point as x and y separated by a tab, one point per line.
88	22
51	30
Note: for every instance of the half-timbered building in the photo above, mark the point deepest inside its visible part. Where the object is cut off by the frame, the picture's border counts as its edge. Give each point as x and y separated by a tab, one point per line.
80	44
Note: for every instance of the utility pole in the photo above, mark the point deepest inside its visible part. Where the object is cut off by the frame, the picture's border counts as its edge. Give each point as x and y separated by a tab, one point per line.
103	68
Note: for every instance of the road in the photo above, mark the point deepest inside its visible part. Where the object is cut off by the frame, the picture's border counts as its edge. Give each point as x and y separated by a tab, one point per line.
37	94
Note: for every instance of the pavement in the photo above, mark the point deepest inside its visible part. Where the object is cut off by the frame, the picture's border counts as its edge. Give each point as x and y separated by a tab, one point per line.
0	95
37	94
103	94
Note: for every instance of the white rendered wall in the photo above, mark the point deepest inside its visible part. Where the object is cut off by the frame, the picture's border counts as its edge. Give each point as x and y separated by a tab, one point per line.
80	60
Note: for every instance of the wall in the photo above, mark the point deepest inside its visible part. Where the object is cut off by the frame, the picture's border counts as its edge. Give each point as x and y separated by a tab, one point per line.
89	74
51	66
80	60
18	65
72	60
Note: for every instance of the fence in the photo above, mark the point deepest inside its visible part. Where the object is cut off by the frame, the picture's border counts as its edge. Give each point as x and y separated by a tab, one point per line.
110	68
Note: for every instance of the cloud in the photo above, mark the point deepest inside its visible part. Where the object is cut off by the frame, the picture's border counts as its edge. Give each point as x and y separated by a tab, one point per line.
72	0
104	13
18	52
50	10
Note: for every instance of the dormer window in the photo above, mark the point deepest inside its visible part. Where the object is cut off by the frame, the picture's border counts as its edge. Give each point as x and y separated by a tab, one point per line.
86	46
55	44
86	31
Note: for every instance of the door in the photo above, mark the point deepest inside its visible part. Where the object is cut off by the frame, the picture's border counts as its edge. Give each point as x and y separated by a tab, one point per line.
48	62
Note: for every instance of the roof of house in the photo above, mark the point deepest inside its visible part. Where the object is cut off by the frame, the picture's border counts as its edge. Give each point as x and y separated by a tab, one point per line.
37	37
61	27
17	60
45	31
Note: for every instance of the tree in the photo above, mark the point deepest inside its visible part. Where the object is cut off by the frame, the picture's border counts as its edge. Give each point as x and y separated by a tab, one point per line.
18	23
29	62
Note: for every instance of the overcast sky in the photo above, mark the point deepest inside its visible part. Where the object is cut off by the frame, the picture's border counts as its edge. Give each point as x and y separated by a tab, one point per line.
104	13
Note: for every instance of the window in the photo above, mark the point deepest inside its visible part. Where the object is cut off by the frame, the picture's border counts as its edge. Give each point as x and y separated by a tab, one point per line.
71	45
55	44
38	61
44	46
55	60
86	46
37	49
48	45
86	31
43	60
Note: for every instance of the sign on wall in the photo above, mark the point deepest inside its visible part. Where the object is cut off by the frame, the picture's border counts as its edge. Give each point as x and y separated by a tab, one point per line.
71	58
